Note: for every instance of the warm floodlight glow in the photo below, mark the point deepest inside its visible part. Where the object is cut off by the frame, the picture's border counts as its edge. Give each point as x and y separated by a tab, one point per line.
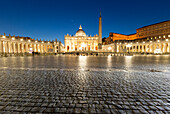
157	51
128	45
166	39
109	48
83	45
13	38
21	39
3	36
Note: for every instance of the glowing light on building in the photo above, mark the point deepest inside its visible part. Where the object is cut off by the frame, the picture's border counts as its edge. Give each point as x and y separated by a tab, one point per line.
129	45
83	45
109	48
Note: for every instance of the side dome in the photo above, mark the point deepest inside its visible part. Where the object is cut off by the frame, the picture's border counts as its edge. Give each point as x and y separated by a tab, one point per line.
80	32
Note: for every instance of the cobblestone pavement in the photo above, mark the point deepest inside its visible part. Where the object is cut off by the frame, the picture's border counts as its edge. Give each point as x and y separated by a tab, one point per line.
46	90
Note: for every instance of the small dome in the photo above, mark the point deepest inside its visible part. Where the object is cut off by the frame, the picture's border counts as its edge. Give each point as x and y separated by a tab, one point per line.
80	32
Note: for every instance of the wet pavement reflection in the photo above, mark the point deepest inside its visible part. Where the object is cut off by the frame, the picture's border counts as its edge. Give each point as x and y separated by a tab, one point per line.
82	84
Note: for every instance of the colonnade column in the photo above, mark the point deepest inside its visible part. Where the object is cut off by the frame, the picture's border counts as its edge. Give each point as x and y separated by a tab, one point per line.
34	49
18	47
46	48
6	47
26	48
168	50
135	48
1	48
13	46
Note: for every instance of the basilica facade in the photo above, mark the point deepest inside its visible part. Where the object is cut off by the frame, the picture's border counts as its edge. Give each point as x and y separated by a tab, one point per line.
82	42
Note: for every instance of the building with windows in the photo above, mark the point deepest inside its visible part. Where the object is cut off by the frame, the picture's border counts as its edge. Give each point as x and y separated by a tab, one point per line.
153	38
82	42
16	45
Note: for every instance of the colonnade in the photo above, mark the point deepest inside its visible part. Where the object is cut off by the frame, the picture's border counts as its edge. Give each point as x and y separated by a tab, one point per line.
12	45
16	47
146	48
136	47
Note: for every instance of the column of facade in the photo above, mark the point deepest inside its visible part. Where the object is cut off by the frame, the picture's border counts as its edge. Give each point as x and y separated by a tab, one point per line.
13	46
54	48
1	51
3	46
34	47
9	47
19	50
135	48
162	46
26	48
168	49
40	48
153	47
70	47
37	46
145	49
165	48
6	47
43	48
142	48
46	48
150	48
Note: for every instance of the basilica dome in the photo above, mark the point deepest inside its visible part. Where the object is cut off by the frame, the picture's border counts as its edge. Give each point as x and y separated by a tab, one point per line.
80	32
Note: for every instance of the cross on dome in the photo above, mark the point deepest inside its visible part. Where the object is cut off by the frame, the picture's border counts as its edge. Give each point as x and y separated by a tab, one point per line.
80	27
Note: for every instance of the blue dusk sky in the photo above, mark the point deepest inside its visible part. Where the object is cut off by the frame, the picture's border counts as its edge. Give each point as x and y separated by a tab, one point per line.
51	19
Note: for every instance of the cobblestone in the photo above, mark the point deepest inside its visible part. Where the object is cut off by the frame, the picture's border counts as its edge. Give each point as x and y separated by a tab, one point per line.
81	91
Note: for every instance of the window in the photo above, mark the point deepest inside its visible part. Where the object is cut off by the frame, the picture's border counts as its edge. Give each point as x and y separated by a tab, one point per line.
169	35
